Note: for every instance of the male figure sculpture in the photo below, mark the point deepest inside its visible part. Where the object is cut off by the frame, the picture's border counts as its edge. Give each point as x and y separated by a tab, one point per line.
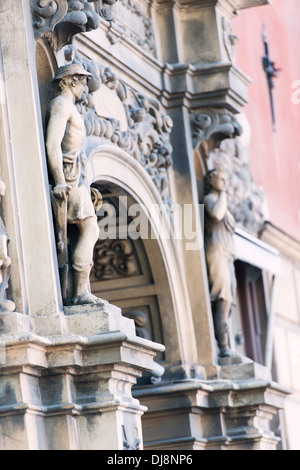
219	228
71	197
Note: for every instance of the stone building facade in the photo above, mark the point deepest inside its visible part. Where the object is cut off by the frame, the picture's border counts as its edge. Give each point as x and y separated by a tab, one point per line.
163	106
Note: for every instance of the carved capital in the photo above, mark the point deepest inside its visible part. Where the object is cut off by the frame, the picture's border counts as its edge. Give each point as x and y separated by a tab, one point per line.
61	20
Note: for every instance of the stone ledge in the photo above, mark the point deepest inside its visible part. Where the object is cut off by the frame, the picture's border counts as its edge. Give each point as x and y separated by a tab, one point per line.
217	393
28	349
242	368
219	415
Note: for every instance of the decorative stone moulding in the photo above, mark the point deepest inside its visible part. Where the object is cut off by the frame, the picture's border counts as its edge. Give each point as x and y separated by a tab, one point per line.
61	20
137	28
242	4
235	4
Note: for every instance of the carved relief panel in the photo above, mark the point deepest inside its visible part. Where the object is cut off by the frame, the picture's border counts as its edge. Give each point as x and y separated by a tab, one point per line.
133	22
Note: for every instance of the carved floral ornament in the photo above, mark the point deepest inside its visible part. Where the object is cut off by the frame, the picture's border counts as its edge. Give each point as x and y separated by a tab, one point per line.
61	20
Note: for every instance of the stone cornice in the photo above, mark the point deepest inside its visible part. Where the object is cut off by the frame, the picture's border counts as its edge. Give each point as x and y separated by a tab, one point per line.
282	241
242	4
233	4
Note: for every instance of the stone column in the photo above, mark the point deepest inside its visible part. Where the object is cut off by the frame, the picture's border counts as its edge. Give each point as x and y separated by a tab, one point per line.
197	48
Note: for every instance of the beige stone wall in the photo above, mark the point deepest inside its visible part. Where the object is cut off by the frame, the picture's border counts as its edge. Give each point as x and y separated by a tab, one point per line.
287	332
287	346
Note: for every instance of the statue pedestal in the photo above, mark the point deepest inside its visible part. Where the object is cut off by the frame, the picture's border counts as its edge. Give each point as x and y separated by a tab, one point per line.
232	413
73	390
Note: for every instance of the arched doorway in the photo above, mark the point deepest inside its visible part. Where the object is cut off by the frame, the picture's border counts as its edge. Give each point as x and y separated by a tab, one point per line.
142	276
122	273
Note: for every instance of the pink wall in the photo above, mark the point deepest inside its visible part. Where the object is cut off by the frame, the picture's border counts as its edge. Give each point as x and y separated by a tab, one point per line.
275	156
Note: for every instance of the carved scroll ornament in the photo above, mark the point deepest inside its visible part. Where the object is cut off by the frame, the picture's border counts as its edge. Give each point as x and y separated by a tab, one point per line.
61	20
214	125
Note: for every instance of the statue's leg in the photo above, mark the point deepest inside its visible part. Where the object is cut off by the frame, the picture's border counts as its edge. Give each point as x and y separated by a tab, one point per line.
221	310
82	261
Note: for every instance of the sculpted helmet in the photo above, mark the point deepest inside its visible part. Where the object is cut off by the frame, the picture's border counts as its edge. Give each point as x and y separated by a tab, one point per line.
69	70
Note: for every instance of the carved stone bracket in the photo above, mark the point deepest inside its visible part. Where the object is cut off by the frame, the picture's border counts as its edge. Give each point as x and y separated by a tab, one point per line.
213	125
61	20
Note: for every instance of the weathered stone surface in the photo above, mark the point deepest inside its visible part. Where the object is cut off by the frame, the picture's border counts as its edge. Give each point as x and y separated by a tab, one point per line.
231	414
74	391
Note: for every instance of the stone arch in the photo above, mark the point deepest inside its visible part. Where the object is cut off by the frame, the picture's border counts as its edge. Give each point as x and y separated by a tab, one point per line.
109	164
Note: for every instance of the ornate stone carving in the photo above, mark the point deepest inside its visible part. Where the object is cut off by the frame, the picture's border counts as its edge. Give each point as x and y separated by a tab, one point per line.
103	11
230	40
5	263
61	20
74	213
219	227
213	125
114	259
131	446
142	35
146	130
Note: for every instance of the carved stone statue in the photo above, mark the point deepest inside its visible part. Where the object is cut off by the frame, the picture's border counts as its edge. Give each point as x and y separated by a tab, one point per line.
76	223
219	226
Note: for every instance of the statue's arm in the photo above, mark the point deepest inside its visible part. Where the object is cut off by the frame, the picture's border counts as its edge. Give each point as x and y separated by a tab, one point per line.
216	206
59	114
